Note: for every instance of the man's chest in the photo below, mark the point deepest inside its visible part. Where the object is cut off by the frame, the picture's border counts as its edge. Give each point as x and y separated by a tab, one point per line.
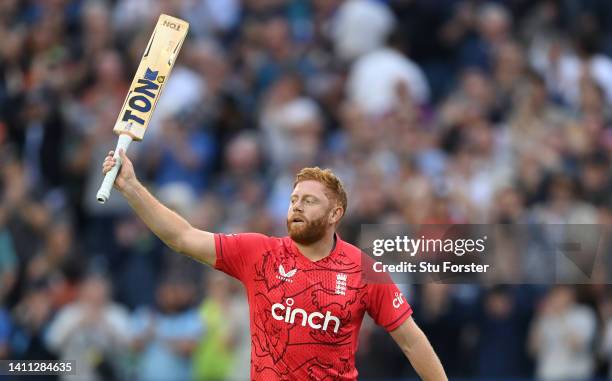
321	296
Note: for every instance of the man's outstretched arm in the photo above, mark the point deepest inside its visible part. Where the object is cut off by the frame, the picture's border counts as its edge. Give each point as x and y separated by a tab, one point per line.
417	348
171	228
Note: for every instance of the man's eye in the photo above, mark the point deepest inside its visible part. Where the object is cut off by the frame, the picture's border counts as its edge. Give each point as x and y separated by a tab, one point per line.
309	202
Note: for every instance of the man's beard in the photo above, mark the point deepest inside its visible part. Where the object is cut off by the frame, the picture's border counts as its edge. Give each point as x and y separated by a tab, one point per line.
309	232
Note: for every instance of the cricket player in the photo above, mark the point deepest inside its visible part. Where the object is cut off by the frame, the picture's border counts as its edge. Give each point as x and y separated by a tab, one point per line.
306	292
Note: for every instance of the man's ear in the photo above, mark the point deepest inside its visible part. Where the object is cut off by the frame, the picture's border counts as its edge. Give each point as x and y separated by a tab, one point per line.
336	214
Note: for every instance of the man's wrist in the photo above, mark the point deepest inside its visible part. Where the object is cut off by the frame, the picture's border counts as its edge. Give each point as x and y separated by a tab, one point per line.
130	188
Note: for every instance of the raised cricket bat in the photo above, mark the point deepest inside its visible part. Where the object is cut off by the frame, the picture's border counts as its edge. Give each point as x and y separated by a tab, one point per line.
153	71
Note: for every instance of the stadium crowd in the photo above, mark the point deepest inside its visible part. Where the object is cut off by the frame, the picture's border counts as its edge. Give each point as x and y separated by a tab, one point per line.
448	111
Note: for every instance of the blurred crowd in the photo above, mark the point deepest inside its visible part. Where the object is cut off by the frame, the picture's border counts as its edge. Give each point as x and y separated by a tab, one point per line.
446	111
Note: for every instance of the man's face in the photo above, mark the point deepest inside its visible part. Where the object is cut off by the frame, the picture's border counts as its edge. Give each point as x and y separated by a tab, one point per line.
95	292
309	214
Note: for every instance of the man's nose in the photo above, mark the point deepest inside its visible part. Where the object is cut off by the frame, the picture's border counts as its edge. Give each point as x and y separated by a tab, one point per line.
297	207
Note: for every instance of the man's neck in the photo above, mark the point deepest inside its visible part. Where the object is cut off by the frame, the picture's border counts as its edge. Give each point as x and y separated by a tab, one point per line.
319	249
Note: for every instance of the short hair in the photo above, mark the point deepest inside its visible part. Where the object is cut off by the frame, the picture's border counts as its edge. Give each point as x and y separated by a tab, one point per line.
326	177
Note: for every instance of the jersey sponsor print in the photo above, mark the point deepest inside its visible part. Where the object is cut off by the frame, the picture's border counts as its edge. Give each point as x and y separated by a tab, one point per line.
305	315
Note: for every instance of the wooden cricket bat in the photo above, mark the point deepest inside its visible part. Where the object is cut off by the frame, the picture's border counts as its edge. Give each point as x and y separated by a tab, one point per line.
145	91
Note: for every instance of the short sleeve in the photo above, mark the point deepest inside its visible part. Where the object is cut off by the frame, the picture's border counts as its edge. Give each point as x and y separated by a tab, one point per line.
235	252
387	306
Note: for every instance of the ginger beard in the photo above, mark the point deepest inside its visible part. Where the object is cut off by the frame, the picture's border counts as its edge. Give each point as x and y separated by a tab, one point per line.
308	231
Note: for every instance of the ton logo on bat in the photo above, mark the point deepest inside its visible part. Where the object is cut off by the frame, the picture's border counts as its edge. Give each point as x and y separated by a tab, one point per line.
143	96
172	25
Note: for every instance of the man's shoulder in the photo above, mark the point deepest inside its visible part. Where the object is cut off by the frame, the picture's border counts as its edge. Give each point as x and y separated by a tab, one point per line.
246	235
253	239
349	249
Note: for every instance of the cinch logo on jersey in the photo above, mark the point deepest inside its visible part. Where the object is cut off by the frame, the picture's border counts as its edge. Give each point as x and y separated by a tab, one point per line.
315	320
398	300
142	98
285	275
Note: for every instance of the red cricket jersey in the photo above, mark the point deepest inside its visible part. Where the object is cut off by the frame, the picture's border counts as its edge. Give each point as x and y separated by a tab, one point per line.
305	316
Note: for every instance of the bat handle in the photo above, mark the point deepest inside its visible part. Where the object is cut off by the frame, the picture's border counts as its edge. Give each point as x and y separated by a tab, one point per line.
109	179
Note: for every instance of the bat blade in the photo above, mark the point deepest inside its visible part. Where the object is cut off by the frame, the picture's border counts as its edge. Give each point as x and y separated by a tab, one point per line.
145	91
152	74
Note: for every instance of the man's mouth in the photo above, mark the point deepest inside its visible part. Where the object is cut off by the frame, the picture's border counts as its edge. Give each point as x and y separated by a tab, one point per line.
297	220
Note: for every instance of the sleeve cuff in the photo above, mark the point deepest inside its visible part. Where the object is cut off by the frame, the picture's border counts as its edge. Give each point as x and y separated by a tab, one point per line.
219	252
397	322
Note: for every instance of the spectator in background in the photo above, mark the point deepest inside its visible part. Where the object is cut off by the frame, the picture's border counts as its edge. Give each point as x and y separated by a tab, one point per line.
566	64
109	85
181	198
188	88
284	95
241	333
208	211
293	133
212	16
8	262
377	359
214	359
31	320
91	116
561	337
93	331
367	202
503	326
278	54
8	276
24	224
211	63
374	78
359	27
479	168
136	265
55	253
493	26
97	140
474	95
596	180
94	21
184	155
41	132
243	184
605	311
443	318
5	330
244	162
165	337
509	207
533	120
509	72
563	206
130	15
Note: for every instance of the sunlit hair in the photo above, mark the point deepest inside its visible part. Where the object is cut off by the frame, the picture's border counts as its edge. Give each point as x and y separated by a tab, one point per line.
326	177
